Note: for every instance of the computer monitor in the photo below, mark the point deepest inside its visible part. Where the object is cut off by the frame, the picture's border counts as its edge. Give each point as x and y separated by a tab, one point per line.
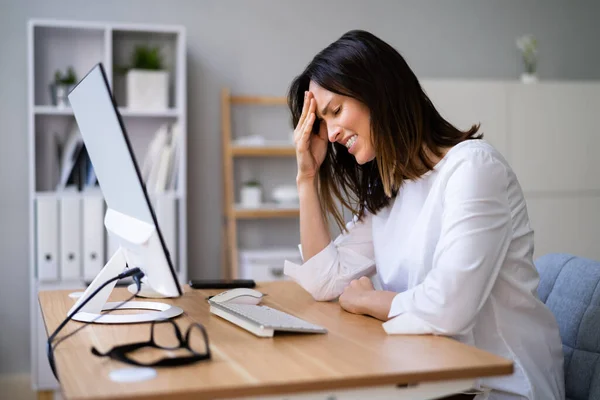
129	217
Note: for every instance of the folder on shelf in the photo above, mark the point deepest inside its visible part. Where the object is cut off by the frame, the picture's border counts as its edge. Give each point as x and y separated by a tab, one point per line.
176	157
93	233
164	169
166	213
160	166
71	153
46	228
70	237
153	153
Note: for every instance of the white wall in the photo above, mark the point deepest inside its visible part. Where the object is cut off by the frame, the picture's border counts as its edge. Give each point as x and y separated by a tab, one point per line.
258	46
549	134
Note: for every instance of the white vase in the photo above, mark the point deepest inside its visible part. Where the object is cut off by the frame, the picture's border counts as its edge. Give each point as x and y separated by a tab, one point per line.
61	93
529	78
251	196
147	90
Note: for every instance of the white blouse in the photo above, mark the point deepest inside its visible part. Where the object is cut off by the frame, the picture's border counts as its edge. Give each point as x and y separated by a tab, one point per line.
457	246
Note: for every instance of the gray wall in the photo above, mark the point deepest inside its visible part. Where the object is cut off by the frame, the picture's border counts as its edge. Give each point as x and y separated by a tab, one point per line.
257	47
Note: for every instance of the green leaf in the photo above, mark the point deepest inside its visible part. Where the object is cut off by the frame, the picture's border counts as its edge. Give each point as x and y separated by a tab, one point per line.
68	78
146	57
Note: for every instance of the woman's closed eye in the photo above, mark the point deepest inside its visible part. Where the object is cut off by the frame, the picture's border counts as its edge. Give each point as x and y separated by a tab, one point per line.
337	110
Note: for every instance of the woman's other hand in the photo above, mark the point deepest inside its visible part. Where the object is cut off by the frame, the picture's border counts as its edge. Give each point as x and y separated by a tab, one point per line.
354	297
360	297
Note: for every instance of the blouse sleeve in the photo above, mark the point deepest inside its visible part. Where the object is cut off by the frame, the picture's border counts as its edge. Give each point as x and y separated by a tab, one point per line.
348	257
475	235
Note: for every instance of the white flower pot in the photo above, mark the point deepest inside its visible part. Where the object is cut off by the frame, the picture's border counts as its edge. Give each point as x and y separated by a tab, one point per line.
147	90
251	196
529	78
60	94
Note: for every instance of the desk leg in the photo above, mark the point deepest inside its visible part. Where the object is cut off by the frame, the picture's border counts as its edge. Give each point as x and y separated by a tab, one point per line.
45	395
425	391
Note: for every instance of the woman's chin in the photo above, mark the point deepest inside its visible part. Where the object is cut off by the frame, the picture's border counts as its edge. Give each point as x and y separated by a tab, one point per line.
362	158
359	160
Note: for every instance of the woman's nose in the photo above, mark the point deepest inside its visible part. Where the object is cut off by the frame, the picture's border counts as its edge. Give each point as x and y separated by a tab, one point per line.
333	133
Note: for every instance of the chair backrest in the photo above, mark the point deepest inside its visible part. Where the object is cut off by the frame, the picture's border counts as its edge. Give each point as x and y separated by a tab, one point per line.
570	287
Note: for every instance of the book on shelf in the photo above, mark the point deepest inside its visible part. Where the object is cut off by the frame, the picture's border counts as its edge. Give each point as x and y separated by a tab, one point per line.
63	165
160	167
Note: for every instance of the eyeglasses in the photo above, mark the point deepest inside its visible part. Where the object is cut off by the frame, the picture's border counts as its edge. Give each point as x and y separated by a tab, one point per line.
195	341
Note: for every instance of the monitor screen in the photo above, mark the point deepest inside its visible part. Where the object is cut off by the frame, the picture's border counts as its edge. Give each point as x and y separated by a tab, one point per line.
114	164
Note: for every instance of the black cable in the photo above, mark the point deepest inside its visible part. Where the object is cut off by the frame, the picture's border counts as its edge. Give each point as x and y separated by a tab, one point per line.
60	339
137	276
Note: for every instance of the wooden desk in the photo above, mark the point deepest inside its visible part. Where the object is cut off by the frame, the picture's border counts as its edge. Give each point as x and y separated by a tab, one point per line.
355	354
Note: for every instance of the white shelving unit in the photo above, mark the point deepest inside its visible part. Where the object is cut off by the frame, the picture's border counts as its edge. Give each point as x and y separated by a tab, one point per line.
54	45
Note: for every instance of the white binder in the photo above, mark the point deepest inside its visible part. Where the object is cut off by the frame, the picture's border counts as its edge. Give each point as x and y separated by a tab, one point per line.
46	229
93	234
70	237
166	214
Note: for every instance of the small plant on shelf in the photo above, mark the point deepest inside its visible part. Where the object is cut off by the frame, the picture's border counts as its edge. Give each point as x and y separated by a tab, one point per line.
61	86
68	78
144	57
251	194
147	57
147	79
252	183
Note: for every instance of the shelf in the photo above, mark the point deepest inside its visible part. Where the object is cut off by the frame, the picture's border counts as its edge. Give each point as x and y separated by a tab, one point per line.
169	113
98	192
263	151
259	100
52	110
268	210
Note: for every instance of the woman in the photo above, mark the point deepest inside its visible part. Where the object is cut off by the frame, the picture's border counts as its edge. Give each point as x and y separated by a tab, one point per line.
440	217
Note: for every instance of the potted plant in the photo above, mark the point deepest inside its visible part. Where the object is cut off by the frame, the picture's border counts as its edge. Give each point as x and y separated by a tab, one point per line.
147	80
251	194
527	44
61	86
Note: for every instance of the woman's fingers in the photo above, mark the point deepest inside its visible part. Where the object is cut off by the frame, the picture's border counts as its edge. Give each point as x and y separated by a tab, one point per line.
306	129
304	139
305	108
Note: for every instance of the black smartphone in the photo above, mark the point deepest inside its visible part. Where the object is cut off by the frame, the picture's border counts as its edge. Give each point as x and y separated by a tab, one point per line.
221	283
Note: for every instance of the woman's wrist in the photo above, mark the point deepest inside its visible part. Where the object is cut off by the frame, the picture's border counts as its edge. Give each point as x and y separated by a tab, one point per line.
377	303
304	182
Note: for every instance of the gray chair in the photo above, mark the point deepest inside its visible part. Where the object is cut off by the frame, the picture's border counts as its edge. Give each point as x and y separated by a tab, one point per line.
570	287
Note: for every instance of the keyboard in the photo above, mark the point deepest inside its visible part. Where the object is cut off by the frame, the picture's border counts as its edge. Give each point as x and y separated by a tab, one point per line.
262	321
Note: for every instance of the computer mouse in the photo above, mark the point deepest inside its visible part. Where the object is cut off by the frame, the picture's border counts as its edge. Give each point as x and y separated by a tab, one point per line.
238	296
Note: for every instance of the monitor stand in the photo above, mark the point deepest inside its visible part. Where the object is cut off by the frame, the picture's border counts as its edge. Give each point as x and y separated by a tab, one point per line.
133	232
145	291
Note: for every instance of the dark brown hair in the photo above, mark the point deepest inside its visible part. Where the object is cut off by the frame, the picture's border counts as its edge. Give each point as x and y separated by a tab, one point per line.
404	123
